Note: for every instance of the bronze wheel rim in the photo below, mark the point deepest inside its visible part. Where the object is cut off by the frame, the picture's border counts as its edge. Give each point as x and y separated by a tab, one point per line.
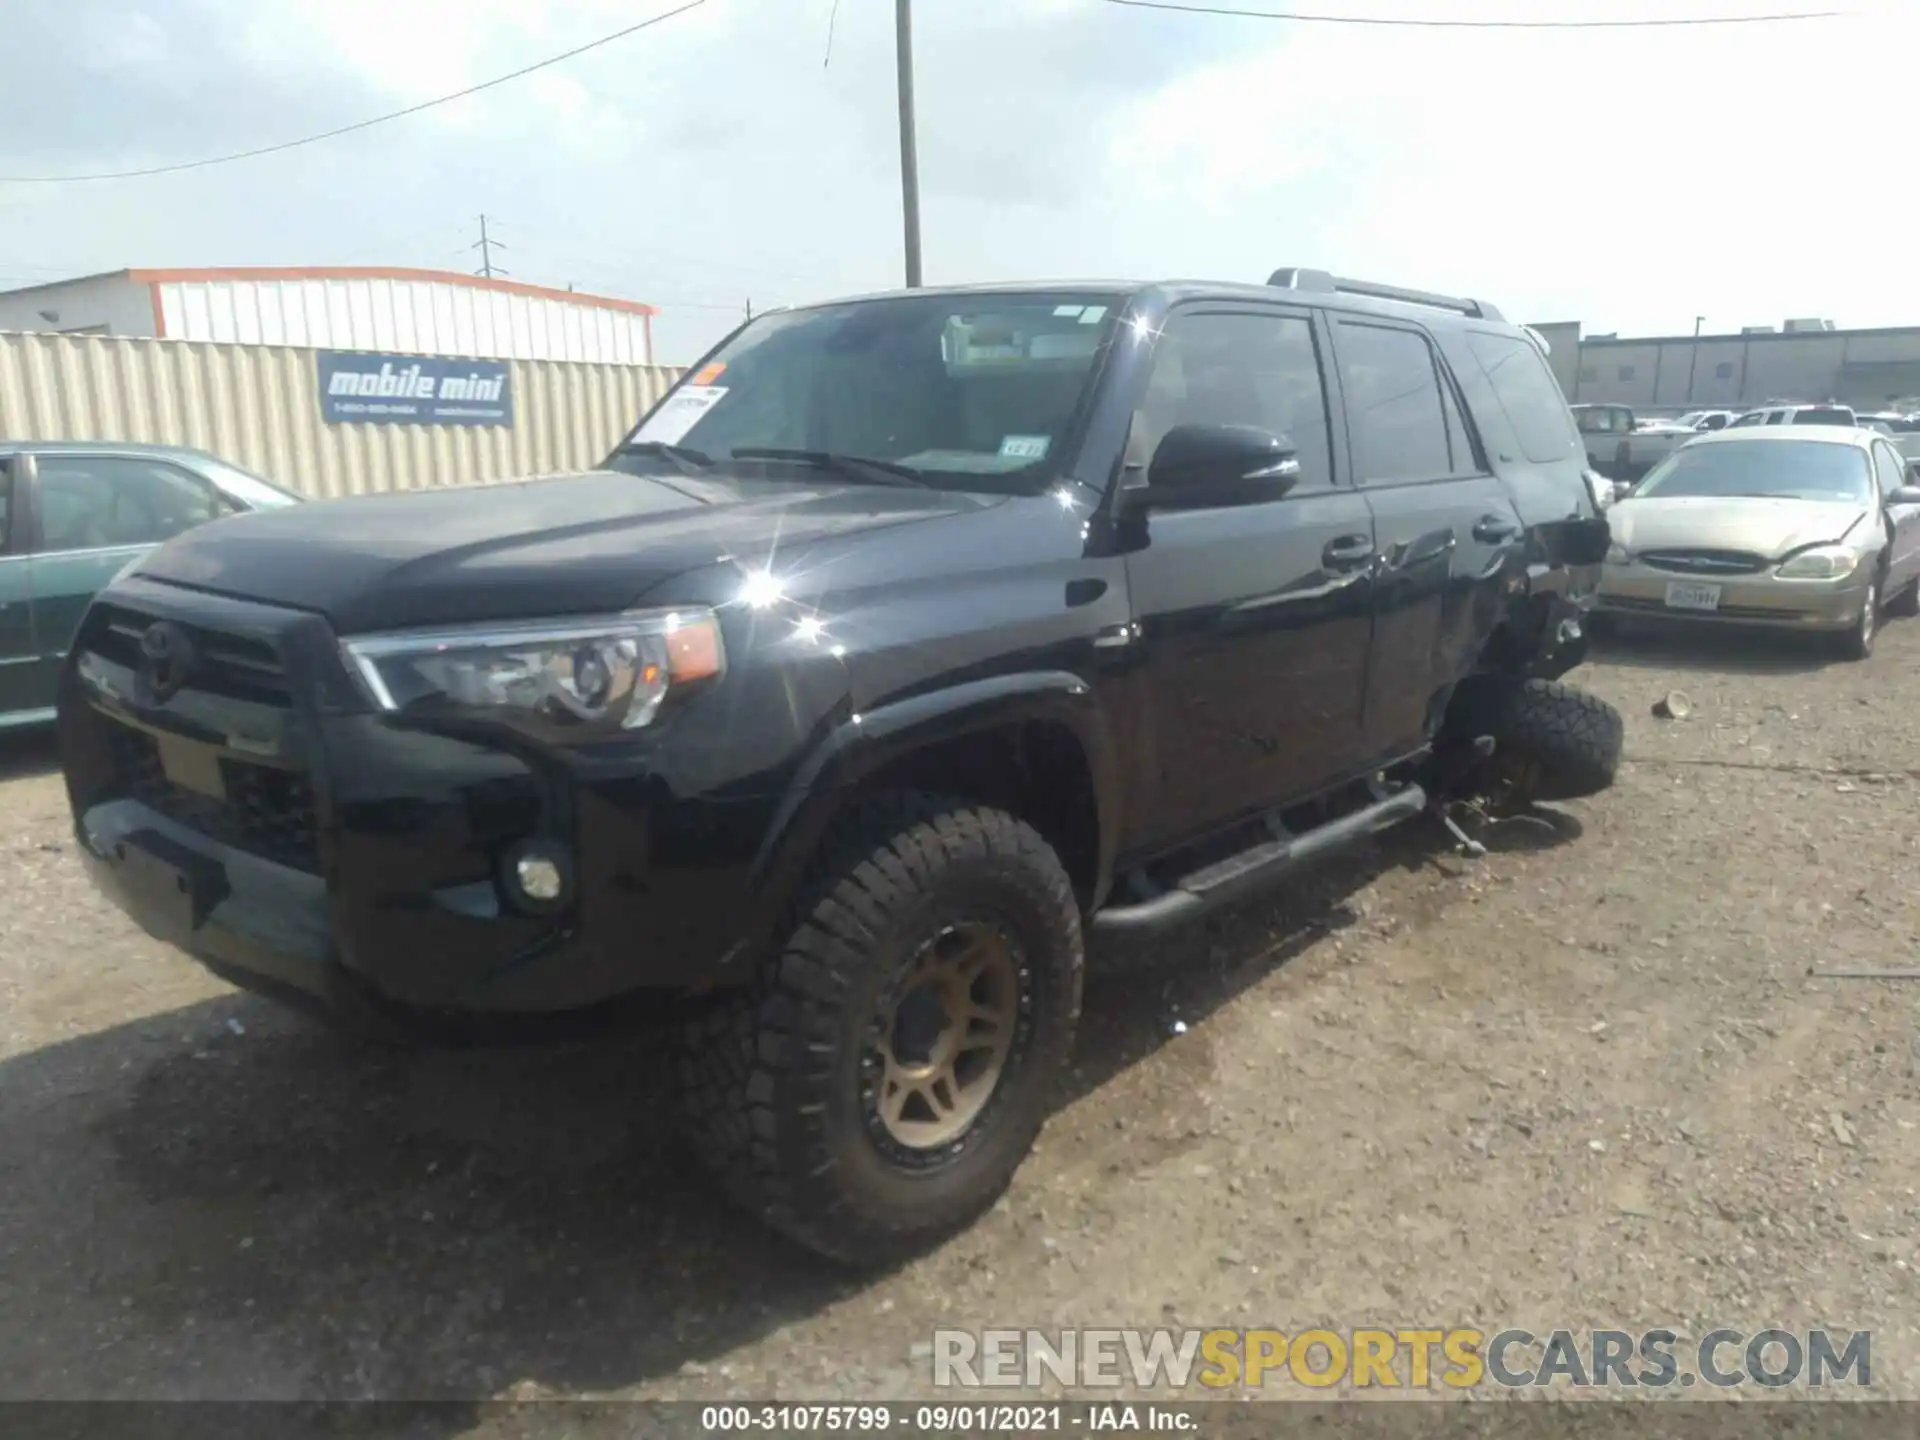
941	1040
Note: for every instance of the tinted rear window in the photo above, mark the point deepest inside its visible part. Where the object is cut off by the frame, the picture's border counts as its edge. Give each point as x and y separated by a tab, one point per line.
1529	394
1822	415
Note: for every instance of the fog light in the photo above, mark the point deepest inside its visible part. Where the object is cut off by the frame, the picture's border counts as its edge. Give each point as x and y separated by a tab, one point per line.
538	875
539	878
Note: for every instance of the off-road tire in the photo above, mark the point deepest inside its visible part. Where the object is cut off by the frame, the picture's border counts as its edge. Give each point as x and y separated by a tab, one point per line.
770	1076
1551	741
1856	642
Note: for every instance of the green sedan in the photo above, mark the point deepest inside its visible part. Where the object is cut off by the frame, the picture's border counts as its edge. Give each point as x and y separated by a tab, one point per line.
72	515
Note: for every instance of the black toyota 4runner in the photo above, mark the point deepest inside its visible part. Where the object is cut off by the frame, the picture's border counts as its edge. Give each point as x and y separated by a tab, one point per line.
905	643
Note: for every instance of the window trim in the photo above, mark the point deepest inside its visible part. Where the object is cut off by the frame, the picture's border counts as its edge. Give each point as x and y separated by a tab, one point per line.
1339	472
38	547
1899	468
12	486
1444	381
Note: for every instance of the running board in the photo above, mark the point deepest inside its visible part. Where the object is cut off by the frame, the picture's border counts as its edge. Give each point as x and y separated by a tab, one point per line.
1252	870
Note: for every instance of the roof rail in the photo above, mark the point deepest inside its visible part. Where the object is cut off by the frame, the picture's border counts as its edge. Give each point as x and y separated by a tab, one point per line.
1322	282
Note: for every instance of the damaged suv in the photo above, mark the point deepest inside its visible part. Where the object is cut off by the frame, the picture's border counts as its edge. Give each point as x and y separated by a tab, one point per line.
908	642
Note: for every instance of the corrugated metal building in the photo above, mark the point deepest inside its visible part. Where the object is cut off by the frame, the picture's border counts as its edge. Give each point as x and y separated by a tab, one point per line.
260	406
420	312
1863	368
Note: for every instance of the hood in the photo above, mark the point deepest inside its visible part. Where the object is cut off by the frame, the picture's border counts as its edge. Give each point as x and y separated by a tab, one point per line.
570	544
1761	527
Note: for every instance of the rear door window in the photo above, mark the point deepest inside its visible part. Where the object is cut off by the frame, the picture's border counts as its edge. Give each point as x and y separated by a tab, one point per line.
1396	420
1529	394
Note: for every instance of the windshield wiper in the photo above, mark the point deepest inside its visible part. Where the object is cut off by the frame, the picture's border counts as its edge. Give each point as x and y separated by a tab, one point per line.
862	467
684	458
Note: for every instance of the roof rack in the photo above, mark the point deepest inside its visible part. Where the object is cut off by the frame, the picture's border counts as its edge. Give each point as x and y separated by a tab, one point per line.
1323	283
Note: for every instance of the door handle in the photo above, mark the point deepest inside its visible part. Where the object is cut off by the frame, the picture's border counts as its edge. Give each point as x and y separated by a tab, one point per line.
1495	530
1347	552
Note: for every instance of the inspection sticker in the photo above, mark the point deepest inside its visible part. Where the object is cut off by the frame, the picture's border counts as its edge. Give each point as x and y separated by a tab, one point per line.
1025	447
680	413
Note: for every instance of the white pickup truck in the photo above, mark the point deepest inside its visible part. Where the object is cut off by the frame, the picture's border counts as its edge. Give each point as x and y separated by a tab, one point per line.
1623	448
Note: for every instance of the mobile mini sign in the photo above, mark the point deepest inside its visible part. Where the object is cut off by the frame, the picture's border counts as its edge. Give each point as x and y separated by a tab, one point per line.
363	389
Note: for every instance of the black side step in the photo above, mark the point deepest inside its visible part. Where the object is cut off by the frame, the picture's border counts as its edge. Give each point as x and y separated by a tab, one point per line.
1254	869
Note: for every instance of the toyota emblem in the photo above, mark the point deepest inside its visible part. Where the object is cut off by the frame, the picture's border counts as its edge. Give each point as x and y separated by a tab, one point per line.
166	659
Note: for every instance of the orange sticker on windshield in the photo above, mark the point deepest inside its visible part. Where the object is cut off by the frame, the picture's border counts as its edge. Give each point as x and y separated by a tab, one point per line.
709	373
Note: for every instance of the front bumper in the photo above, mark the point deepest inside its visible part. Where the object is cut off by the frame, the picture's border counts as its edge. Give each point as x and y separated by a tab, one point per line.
1750	599
267	823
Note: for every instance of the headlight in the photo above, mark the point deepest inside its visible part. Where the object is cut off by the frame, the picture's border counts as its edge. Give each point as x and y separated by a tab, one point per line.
1822	562
585	677
1616	554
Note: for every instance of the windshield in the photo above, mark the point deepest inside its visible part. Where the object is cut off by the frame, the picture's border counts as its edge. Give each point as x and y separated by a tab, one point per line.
1779	469
974	391
249	489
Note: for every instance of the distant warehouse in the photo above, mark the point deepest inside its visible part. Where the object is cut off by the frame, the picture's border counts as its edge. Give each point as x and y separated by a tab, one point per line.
1800	360
361	308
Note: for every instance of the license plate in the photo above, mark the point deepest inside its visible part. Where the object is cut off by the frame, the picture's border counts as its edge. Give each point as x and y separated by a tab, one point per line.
171	905
1683	595
192	766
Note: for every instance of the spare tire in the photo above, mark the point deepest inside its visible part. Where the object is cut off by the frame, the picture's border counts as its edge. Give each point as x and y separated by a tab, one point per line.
1551	741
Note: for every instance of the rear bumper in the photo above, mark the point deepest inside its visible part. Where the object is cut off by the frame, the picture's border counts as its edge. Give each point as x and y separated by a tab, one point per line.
319	851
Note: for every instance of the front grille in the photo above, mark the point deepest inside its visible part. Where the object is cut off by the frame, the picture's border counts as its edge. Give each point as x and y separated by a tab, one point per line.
237	666
1705	562
265	811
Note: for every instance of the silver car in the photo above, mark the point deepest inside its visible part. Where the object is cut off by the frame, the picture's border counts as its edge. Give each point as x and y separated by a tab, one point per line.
1807	527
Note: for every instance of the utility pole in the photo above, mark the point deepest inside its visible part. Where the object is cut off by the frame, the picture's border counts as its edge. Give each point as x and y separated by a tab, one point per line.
909	161
1693	355
486	246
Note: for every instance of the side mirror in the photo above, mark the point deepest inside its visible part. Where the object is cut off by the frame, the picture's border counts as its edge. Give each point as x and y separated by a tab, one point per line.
1208	465
1908	494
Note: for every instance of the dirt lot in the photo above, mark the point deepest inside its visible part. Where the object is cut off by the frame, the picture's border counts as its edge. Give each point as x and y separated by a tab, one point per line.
1586	1080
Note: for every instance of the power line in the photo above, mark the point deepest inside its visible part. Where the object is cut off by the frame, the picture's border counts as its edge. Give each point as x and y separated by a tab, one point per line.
1315	19
358	124
832	15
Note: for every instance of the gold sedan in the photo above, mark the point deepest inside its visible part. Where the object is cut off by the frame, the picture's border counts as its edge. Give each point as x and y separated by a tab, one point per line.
1806	527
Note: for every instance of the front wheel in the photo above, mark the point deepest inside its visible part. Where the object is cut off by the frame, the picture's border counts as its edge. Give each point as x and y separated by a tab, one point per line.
876	1088
1856	643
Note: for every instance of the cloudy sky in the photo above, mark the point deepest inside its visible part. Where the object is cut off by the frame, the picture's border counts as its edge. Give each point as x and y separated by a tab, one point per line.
1628	179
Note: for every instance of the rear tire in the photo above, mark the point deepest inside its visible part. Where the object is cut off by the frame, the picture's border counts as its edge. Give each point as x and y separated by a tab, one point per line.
1551	741
800	1092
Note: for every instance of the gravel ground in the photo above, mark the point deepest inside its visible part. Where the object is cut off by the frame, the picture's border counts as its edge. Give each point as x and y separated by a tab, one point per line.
1586	1080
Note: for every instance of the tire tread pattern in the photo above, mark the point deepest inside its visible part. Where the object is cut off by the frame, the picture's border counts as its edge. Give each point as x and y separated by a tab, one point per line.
755	1064
1567	740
